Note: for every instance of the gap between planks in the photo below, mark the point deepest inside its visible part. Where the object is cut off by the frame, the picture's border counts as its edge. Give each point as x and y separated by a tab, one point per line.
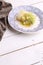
21	49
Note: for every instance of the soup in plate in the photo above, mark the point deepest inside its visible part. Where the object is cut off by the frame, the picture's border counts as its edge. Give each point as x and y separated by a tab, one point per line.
27	20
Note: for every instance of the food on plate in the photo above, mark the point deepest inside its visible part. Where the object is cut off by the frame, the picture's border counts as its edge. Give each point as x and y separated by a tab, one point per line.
26	18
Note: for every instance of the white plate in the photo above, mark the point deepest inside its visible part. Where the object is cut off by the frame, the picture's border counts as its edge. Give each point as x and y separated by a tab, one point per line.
13	13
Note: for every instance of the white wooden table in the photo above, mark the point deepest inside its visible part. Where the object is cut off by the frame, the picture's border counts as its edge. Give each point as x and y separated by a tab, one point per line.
21	49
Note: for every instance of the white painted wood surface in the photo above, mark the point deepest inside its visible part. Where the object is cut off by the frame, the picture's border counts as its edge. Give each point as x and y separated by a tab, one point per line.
13	41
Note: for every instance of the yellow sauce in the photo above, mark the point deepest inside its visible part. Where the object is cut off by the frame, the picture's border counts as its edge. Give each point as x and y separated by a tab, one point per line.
26	18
